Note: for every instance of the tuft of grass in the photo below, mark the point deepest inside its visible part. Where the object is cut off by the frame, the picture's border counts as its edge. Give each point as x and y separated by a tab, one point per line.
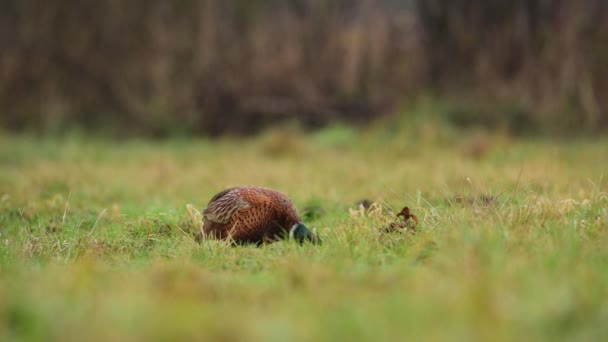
97	240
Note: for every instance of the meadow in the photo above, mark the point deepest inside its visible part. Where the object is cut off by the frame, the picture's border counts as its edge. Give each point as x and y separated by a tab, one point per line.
97	238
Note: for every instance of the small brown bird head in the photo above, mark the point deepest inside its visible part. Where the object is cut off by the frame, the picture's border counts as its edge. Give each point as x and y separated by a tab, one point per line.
301	233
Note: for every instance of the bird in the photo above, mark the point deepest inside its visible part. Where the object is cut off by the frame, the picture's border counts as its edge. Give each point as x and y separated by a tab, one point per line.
254	214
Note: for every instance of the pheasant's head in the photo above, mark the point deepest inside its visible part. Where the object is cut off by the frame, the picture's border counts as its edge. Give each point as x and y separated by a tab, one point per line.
301	233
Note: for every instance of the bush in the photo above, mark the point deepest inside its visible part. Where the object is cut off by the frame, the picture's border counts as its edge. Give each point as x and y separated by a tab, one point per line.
210	67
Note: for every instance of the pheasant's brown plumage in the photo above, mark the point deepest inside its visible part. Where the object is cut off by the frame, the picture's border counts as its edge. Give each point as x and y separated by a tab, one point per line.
249	214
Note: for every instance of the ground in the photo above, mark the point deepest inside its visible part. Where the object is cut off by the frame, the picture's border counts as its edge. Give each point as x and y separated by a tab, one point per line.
97	238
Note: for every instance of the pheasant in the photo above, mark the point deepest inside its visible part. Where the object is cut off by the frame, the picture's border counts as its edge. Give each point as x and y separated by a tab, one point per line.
252	214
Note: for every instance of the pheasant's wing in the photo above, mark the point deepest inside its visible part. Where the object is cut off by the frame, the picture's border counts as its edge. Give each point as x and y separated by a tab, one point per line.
255	221
223	205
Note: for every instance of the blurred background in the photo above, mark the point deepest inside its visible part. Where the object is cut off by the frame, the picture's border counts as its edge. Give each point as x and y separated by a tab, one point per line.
156	68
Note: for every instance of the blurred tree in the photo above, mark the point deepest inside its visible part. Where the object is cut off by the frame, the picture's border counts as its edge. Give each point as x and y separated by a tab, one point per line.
151	67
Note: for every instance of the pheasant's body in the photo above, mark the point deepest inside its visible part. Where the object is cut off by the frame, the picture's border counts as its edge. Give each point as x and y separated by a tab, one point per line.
250	214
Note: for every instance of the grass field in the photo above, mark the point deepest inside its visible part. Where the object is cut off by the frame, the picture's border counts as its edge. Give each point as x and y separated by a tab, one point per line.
96	239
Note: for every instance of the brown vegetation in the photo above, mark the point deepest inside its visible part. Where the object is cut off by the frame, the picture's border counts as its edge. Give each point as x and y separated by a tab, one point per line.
211	67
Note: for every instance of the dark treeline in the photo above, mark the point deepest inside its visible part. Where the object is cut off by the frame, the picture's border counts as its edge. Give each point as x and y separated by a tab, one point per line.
151	67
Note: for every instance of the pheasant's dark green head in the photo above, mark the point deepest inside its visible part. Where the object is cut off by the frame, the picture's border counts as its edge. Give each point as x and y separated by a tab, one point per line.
301	233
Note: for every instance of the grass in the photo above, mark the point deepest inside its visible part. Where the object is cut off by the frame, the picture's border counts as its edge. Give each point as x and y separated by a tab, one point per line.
96	239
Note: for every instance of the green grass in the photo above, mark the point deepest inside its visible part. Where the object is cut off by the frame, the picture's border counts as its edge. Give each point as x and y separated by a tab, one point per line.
96	241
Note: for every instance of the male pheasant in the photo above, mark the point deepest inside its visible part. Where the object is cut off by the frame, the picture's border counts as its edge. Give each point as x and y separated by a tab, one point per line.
252	214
